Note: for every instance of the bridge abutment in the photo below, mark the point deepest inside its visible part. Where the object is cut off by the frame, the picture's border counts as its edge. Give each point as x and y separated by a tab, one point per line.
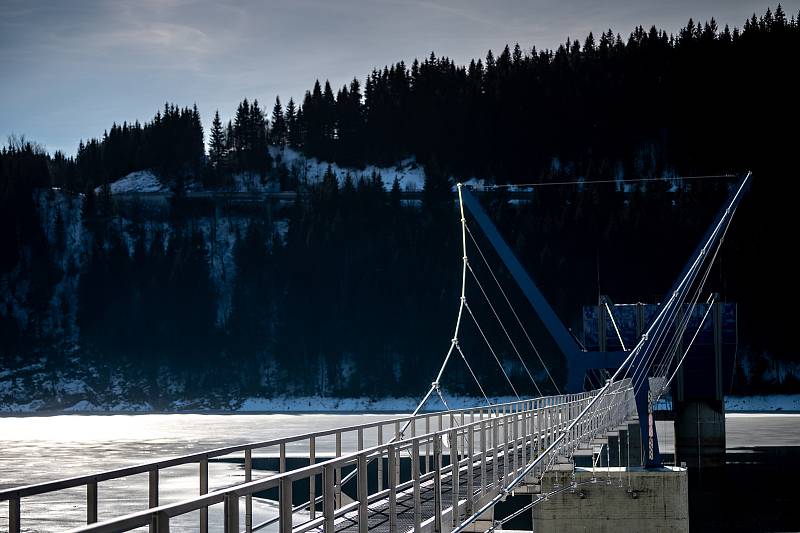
615	499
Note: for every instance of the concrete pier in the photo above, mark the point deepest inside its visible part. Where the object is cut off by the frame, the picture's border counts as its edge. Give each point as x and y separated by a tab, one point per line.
615	499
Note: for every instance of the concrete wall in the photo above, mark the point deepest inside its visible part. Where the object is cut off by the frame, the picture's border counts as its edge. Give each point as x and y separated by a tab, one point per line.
644	501
700	433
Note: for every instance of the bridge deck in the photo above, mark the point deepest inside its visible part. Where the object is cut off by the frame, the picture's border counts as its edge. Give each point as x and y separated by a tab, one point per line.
378	518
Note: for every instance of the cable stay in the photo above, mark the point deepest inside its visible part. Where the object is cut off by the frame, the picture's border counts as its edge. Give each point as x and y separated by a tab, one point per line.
513	311
639	358
503	327
497	359
616	329
711	302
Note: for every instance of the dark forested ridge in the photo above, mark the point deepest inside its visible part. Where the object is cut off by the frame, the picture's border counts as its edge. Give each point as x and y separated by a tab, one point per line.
350	289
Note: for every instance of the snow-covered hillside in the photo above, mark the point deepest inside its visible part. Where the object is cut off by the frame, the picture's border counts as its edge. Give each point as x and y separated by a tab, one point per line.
139	181
408	172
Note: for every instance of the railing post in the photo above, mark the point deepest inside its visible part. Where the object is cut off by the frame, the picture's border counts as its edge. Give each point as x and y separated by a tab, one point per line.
454	475
397	463
437	483
363	494
380	459
284	505
14	517
231	511
312	483
415	476
248	499
338	483
427	444
495	437
506	462
159	522
539	425
204	490
515	440
328	498
391	452
153	489
91	502
152	492
483	455
470	469
282	458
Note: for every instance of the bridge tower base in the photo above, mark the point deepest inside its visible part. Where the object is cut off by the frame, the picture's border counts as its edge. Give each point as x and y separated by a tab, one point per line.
620	499
700	433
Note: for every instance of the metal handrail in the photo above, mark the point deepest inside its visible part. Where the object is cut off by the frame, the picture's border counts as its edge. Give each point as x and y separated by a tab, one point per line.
284	480
15	494
105	475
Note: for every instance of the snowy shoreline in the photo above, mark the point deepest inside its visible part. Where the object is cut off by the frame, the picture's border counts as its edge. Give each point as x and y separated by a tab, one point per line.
775	403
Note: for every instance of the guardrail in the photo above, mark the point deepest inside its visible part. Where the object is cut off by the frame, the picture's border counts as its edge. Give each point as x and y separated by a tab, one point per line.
90	481
527	427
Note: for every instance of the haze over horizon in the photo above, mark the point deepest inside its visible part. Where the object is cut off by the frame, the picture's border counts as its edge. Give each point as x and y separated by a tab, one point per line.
72	69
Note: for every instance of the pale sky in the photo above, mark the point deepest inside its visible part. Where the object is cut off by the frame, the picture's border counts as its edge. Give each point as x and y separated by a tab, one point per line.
69	68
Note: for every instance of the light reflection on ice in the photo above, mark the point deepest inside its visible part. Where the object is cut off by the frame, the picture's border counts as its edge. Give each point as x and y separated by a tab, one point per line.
45	448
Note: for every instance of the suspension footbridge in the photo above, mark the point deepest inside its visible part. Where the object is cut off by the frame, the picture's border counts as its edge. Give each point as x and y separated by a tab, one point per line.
445	470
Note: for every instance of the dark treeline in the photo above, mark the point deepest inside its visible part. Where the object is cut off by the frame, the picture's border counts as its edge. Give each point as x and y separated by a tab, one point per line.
710	99
362	287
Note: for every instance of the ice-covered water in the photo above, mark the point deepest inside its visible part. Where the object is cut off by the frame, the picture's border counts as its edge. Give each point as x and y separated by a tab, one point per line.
41	448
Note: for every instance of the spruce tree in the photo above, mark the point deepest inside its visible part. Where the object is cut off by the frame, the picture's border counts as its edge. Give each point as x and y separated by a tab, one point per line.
278	131
292	127
216	148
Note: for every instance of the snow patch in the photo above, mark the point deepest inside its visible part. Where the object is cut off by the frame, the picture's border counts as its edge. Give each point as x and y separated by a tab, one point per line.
139	181
408	172
328	404
763	403
83	406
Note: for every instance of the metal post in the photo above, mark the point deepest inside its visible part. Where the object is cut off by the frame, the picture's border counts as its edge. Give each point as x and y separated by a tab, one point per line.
153	496
363	494
454	475
415	477
282	459
515	439
380	459
14	516
338	484
153	489
483	456
91	502
204	490
495	438
717	325
312	482
506	462
159	522
437	483
470	469
391	451
427	444
285	505
328	498
231	504
248	499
